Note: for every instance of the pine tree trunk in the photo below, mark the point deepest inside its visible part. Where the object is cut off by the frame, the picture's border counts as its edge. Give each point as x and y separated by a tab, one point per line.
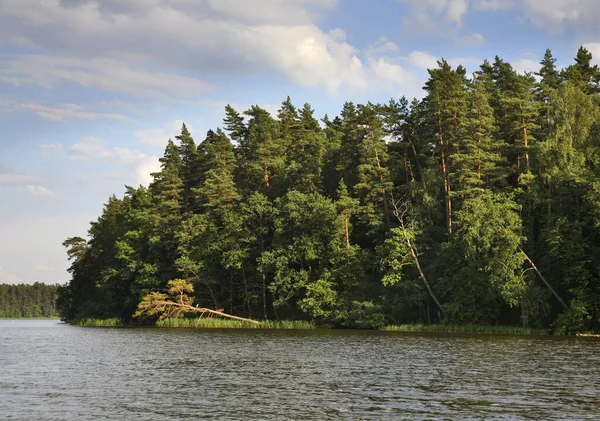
379	170
525	139
446	179
408	169
246	300
264	296
414	150
346	223
267	182
447	190
479	149
264	279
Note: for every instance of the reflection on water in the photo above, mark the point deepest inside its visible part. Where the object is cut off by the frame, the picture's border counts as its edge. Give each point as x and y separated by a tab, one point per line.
53	371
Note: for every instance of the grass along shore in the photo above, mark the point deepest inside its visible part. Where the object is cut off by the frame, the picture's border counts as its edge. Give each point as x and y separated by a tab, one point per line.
469	328
114	322
210	323
203	323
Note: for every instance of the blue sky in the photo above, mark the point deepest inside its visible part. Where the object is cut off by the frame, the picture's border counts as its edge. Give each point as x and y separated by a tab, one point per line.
91	90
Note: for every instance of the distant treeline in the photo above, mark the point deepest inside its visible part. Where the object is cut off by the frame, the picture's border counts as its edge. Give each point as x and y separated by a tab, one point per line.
478	204
37	300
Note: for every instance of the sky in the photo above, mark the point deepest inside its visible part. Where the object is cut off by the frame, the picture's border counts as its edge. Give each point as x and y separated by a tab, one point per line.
91	90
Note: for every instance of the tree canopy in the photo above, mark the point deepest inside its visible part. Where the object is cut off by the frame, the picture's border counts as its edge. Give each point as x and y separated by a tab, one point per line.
29	301
479	203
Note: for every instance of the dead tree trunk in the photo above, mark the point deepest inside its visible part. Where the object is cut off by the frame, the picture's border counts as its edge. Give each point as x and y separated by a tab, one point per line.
203	311
534	267
415	255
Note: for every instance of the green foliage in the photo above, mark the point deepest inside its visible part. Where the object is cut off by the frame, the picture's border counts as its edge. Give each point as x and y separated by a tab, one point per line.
28	301
281	217
365	315
113	322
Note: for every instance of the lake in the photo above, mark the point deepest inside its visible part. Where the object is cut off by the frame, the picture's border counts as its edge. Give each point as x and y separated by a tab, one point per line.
53	371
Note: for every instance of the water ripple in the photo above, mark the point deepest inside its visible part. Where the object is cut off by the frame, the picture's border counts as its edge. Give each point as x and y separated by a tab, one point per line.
52	371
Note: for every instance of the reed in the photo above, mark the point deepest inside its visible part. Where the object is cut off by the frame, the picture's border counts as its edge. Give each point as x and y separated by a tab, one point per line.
469	328
206	323
114	322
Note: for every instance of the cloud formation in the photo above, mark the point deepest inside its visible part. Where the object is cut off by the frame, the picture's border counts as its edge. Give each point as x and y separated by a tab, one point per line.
169	49
94	149
39	191
107	74
439	16
61	112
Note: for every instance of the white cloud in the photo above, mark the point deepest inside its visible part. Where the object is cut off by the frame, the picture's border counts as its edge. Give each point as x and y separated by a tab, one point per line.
43	268
89	149
94	149
382	46
427	14
60	112
493	5
50	147
158	137
456	9
433	16
550	15
526	65
209	37
546	13
594	48
148	165
395	78
7	277
158	48
20	179
153	137
423	60
309	57
39	191
107	74
474	38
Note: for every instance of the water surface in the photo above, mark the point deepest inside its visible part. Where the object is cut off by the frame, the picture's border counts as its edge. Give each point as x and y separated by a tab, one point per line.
53	371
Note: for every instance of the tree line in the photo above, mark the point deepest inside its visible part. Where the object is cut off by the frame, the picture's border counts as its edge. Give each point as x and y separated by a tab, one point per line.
21	301
479	203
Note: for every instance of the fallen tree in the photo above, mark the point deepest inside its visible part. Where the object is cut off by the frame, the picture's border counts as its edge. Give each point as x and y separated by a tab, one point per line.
178	303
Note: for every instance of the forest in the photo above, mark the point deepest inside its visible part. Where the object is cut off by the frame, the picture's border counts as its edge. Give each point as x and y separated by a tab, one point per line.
28	301
477	204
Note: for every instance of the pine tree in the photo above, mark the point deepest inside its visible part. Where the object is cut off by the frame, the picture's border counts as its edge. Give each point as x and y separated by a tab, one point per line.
347	208
218	190
190	168
373	186
304	157
445	105
262	150
478	162
549	82
167	187
583	73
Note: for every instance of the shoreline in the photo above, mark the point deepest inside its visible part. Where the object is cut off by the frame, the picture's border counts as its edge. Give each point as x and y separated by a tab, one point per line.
30	318
206	323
